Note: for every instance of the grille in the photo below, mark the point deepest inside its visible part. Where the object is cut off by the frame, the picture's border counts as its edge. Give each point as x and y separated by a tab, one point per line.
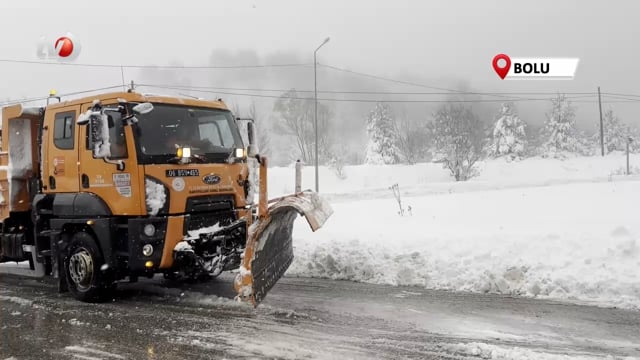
205	211
210	203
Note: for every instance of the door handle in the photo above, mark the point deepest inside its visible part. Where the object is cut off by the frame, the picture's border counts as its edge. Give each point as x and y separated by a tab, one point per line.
52	183
85	181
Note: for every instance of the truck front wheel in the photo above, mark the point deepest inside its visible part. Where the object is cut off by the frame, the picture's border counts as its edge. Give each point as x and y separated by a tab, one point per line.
83	268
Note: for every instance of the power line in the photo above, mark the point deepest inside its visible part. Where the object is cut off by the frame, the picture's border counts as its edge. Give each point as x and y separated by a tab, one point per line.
188	88
623	97
360	92
496	94
442	91
205	90
33	62
448	91
407	82
617	94
13	102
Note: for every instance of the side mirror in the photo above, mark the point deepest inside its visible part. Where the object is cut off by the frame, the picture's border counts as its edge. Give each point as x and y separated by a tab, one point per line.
252	149
84	118
140	109
99	133
87	117
143	108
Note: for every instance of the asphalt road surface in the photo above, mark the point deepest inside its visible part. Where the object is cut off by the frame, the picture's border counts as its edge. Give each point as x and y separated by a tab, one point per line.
303	319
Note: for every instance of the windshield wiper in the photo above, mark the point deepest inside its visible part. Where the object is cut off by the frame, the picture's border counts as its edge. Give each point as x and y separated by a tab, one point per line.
199	157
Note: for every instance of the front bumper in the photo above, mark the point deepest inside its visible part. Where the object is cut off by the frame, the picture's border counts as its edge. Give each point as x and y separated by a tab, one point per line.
170	230
138	239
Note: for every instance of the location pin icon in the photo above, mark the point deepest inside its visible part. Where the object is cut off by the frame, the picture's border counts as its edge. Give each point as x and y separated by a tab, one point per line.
501	71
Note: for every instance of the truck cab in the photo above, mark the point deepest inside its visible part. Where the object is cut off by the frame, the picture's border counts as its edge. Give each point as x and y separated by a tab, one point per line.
93	180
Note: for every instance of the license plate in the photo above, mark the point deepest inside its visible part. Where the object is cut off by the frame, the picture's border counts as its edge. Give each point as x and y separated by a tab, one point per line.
182	172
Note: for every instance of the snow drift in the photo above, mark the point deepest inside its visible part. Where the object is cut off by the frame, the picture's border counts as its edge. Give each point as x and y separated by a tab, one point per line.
576	241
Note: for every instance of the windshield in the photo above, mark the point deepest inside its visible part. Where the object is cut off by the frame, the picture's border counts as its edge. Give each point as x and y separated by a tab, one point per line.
211	133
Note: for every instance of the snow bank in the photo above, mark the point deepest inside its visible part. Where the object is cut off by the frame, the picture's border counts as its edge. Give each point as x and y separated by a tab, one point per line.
568	241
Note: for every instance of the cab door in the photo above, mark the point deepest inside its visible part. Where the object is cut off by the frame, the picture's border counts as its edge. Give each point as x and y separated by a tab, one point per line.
119	189
60	160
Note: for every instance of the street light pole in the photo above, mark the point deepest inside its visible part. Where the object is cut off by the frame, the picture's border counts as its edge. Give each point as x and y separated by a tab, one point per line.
315	127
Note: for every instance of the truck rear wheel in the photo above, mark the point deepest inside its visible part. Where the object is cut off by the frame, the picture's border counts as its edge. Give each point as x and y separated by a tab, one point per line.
83	266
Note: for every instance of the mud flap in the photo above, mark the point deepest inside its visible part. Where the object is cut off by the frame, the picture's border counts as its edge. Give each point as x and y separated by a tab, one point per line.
269	250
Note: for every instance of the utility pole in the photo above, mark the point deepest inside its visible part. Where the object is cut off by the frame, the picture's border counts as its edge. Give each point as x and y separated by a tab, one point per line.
628	141
601	123
122	75
315	122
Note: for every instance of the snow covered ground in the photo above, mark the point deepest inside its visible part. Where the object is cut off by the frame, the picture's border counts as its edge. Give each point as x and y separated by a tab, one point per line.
427	178
540	227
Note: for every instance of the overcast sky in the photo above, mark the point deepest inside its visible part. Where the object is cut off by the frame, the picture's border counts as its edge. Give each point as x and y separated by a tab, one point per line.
438	43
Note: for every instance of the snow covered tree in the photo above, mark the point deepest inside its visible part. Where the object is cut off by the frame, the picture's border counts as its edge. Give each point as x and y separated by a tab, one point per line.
459	139
383	137
415	138
296	117
509	137
262	129
559	128
615	132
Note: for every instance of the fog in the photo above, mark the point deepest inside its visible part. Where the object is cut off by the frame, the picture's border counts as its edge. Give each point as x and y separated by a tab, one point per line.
437	46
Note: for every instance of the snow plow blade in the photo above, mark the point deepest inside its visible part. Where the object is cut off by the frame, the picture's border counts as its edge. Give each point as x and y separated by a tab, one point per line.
269	250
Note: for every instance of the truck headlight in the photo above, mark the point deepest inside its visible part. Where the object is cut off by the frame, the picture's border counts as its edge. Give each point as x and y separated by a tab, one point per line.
147	250
149	230
240	153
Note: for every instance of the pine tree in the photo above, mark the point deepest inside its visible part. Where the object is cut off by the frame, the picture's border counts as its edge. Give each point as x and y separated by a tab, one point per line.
559	128
383	137
615	133
509	137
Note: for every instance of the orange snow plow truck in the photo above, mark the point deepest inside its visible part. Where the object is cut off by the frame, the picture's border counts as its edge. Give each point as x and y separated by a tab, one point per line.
121	185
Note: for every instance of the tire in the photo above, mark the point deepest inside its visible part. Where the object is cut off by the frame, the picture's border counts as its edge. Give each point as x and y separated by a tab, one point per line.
87	282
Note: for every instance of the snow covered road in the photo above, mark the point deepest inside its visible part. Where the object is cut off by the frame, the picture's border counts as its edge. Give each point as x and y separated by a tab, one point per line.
305	318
